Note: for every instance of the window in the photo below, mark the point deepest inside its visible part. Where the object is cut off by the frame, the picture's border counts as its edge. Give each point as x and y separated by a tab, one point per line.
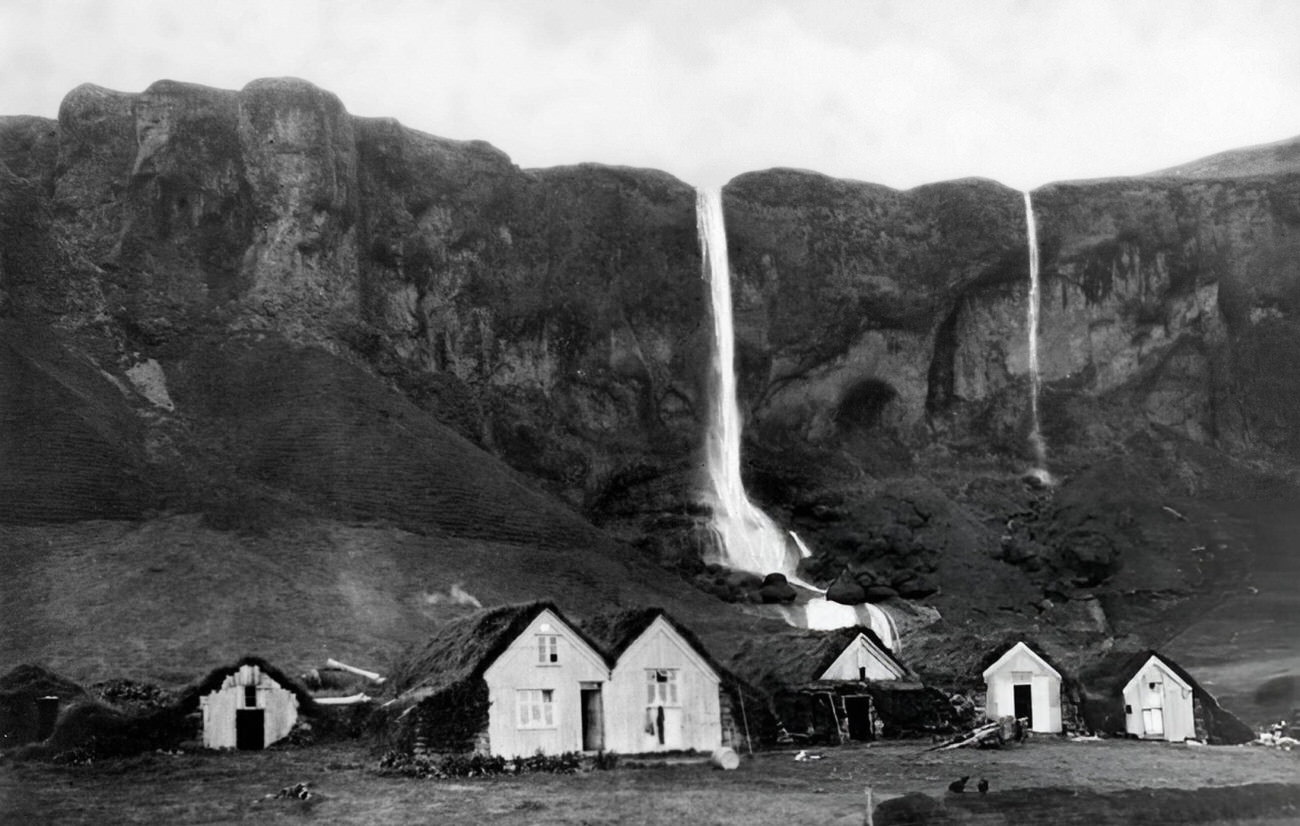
661	687
1020	677
548	652
250	696
536	707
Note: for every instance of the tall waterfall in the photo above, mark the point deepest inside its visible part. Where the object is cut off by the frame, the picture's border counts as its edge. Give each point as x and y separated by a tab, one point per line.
1035	384
747	539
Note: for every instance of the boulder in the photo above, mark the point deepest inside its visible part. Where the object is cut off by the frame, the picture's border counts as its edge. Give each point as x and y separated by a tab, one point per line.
776	588
846	590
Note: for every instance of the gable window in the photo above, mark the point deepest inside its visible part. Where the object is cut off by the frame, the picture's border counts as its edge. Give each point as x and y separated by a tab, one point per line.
661	687
250	696
536	707
1021	677
548	650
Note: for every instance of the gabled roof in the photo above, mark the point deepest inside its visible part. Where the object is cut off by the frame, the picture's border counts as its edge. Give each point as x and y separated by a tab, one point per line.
1169	666
466	647
794	658
189	697
1115	670
875	644
1019	647
617	632
1104	681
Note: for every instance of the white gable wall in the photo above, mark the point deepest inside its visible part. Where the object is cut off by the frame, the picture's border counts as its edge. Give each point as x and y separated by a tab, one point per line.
1021	666
518	668
693	722
859	654
1165	713
219	708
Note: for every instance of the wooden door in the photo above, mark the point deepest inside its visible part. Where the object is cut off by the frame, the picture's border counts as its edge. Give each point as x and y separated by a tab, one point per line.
1153	709
593	720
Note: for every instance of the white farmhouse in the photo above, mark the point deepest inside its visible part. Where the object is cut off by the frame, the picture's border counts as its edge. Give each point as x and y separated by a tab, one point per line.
665	692
509	681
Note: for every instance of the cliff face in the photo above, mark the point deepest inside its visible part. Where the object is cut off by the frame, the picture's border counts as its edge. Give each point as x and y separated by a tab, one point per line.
251	304
905	314
884	358
552	318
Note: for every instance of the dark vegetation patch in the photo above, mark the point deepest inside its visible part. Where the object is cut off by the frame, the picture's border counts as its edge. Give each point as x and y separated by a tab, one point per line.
1230	804
404	764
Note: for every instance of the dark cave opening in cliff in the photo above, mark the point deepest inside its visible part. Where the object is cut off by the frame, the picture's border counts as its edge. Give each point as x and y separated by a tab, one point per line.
863	405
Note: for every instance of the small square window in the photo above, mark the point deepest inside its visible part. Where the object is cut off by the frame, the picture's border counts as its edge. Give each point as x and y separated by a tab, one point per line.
548	649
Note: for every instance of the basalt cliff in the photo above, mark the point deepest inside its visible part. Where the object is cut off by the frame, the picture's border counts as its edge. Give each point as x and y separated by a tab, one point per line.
275	376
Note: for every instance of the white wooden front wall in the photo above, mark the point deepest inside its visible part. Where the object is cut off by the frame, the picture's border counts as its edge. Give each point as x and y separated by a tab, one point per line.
1045	691
1166	713
219	707
861	654
694	722
518	669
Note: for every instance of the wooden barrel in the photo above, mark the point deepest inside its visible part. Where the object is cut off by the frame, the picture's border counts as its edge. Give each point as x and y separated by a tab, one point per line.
725	758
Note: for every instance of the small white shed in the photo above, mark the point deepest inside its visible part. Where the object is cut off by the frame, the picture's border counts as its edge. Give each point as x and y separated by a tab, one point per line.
245	707
1158	703
1022	684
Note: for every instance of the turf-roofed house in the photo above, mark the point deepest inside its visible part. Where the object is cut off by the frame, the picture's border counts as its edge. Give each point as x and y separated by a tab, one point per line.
834	686
665	691
248	705
1146	695
510	681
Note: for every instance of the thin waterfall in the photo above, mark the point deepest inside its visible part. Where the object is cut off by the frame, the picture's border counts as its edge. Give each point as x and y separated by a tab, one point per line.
746	538
1035	383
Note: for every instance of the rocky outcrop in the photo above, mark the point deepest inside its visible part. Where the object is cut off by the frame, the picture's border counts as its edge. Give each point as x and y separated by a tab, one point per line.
865	310
551	317
882	339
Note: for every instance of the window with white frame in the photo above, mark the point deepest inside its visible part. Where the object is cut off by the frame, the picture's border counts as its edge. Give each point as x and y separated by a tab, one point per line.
548	649
661	687
536	707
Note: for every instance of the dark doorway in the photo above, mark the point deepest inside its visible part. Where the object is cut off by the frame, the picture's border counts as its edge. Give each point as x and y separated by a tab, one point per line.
1024	703
250	729
858	710
593	720
47	714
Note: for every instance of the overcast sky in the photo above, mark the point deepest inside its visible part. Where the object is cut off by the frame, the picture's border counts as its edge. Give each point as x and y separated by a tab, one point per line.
900	93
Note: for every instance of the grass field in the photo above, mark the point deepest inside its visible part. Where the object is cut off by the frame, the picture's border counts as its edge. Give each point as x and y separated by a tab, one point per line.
770	788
